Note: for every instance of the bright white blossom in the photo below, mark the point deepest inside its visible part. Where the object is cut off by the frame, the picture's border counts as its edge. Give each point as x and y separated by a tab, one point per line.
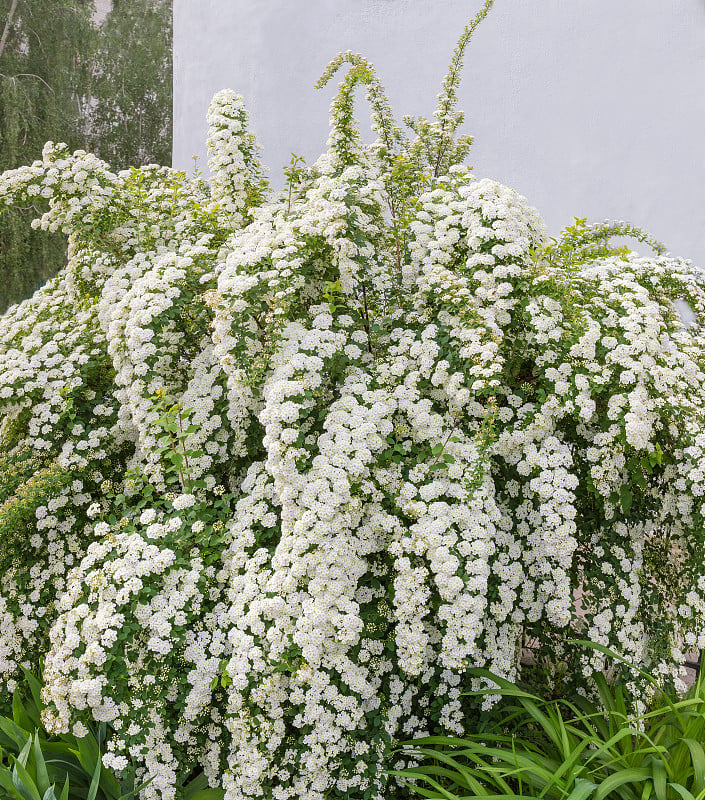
276	470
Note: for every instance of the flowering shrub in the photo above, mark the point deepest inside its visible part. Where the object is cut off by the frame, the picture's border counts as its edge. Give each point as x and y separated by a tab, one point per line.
278	469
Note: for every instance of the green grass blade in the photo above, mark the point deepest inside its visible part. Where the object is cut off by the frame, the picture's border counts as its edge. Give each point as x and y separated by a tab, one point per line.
436	788
88	752
635	775
43	782
697	757
574	755
609	747
95	780
583	789
682	791
659	778
136	789
65	790
545	722
455	770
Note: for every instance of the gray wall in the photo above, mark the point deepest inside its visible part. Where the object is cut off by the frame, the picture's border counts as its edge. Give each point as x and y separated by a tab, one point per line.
590	108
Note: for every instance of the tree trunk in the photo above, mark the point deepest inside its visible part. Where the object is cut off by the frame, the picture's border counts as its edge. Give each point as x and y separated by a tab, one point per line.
6	29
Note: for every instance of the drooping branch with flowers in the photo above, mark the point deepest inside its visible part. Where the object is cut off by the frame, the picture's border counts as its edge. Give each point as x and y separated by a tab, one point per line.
277	469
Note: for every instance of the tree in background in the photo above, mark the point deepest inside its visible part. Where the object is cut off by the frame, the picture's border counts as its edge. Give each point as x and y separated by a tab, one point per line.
130	113
44	78
106	89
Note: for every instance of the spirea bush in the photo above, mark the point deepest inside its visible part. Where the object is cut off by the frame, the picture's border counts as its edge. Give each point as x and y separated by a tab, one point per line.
278	469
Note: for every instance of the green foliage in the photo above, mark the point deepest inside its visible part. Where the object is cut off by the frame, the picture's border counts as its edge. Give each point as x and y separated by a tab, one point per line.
409	167
580	748
330	448
17	513
130	116
106	89
583	243
36	766
298	178
44	76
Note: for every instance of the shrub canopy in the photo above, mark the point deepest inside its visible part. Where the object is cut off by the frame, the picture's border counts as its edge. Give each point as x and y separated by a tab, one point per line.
277	469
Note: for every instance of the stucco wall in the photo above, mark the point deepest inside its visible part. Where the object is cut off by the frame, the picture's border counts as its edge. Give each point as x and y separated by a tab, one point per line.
590	108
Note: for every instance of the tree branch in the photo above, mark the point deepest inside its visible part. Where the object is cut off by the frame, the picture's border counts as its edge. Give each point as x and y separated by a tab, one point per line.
6	29
26	75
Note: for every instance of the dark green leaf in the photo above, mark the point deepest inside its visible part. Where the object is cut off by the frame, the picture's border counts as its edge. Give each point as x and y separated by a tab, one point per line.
625	496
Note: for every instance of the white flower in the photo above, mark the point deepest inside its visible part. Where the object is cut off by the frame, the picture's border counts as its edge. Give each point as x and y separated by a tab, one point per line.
183	501
148	516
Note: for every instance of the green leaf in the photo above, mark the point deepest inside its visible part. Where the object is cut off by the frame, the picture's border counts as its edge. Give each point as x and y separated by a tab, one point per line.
95	781
88	752
43	783
582	790
697	755
35	687
24	783
208	794
683	792
449	458
634	775
8	785
14	732
89	757
659	778
625	496
19	715
195	785
136	789
65	790
437	449
438	465
656	456
24	752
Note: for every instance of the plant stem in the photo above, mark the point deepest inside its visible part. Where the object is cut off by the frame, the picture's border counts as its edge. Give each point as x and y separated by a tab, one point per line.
366	318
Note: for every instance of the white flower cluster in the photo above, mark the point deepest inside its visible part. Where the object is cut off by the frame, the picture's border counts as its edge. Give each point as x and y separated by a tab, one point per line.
277	471
231	156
